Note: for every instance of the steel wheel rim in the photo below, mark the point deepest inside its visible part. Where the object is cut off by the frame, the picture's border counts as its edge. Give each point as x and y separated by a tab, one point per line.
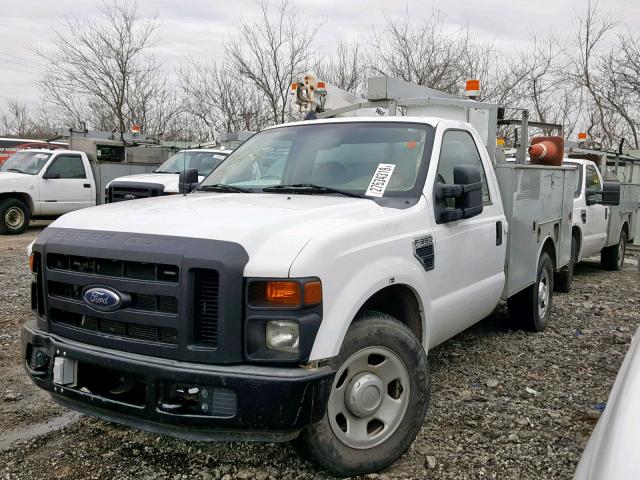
14	217
543	294
369	397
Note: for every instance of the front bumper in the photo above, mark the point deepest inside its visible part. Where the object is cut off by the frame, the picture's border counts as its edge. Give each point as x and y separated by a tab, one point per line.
245	402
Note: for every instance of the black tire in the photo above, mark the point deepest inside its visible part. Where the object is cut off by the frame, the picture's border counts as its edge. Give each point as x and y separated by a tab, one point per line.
612	258
524	307
373	329
564	278
14	216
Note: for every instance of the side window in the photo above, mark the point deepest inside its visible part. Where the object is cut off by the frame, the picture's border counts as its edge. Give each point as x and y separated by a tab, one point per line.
67	166
459	148
593	181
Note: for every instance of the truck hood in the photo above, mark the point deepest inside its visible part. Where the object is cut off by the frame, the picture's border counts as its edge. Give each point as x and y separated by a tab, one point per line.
272	228
10	180
169	180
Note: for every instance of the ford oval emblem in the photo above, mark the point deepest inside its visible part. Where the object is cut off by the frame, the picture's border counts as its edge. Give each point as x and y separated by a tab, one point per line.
101	298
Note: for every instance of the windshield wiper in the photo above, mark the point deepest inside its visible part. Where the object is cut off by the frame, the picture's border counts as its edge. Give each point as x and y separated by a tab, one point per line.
163	171
310	188
14	170
221	187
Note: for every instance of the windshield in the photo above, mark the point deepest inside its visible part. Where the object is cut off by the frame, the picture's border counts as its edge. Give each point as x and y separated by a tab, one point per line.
343	156
205	162
28	162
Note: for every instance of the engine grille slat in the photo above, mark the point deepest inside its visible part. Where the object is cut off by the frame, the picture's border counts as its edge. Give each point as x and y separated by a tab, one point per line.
116	328
114	268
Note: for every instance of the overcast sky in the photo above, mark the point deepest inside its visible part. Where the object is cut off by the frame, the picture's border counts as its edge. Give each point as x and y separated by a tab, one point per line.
199	28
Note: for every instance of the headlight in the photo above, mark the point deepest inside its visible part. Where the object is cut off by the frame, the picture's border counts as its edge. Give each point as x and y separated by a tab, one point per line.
283	336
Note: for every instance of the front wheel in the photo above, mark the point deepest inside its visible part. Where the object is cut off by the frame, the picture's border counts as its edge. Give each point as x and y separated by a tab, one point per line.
531	308
14	216
378	399
612	258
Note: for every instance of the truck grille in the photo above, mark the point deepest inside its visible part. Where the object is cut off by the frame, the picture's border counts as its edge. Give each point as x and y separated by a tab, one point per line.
206	307
118	192
180	298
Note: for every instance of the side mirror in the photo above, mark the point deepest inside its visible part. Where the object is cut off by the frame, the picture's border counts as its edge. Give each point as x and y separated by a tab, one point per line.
611	193
593	197
50	175
187	180
467	192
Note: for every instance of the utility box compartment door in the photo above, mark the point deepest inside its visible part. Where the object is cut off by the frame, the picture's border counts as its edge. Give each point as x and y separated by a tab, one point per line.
626	212
538	204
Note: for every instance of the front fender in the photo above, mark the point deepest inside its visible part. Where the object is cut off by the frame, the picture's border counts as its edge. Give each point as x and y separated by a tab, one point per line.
345	298
22	194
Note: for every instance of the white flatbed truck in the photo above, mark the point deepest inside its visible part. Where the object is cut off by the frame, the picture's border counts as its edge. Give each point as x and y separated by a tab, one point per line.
297	292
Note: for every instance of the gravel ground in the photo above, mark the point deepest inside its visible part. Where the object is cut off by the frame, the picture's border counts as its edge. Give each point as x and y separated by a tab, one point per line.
505	403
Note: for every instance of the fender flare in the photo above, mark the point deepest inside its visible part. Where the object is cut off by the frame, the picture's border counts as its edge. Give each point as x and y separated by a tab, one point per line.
555	251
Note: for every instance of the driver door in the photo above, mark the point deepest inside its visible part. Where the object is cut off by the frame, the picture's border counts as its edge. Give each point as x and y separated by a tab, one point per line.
469	253
594	217
65	186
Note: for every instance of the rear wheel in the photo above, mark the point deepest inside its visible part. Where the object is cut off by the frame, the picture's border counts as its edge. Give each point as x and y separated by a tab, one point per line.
531	308
14	216
564	278
378	399
612	258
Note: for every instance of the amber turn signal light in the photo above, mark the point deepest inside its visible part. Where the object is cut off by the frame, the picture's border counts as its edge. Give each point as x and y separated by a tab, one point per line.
312	293
32	263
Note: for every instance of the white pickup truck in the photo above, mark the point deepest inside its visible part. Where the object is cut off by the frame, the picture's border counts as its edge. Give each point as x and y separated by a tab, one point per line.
43	183
602	224
297	292
165	179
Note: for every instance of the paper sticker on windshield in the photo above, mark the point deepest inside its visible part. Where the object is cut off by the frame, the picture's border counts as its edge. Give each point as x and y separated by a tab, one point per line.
41	156
219	157
380	180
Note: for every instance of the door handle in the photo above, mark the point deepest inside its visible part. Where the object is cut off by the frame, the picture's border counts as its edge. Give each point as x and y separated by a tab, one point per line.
498	233
87	185
583	215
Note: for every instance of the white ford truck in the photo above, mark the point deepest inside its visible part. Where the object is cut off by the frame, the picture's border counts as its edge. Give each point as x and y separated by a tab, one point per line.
601	225
43	183
297	292
165	179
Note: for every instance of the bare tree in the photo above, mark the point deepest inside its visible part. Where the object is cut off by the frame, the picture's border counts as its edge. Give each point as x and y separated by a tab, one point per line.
591	31
346	69
100	70
16	120
419	52
270	51
216	98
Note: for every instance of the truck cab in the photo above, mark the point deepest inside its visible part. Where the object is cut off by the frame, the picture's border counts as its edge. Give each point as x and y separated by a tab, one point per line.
165	179
43	183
